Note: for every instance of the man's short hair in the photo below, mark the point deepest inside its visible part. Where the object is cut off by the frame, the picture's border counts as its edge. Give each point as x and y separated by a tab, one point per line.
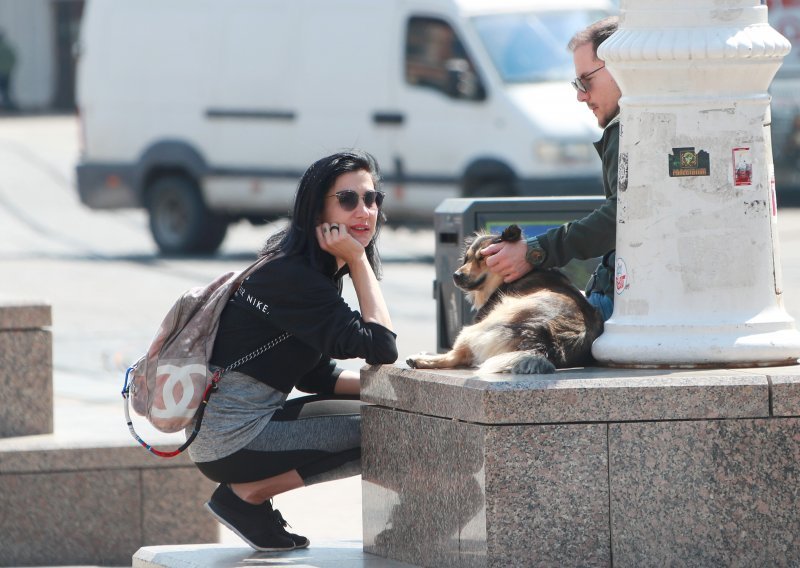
595	34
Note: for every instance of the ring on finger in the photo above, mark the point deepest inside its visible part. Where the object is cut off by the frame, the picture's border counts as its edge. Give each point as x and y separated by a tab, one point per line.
334	227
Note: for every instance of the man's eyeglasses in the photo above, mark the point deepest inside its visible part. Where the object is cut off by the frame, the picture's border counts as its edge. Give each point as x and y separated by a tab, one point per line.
348	198
578	82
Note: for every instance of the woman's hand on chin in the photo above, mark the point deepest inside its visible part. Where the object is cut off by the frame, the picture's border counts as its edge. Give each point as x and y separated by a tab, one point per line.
333	238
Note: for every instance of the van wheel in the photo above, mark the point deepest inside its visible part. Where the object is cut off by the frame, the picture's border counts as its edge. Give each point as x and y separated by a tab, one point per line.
179	220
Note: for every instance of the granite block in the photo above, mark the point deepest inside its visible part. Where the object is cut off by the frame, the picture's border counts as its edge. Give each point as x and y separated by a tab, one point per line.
785	389
80	518
590	394
26	381
37	454
24	315
172	502
705	493
422	481
547	495
445	493
102	503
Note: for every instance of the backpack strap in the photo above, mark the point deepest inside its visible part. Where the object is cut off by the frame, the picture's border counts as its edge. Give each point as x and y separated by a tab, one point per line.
263	349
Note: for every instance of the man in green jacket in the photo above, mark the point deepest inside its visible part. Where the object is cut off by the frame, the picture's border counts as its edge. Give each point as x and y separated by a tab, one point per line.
594	235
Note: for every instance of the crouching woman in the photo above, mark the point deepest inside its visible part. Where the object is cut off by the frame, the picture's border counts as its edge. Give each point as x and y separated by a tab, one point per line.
254	442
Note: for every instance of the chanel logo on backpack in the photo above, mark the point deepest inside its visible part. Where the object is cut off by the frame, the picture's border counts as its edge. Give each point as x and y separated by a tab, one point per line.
168	378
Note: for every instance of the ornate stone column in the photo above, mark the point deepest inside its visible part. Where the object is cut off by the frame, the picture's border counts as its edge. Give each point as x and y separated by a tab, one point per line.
698	279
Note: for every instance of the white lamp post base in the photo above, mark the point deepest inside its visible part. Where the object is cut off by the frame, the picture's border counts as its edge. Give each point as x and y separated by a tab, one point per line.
697	274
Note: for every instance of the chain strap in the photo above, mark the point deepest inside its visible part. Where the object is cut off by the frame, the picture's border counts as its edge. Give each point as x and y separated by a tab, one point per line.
264	348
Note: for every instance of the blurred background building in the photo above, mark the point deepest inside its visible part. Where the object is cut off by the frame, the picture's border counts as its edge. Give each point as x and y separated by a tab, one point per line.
42	35
784	16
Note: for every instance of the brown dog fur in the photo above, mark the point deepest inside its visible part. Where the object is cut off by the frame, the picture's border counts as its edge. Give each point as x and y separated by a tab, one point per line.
535	324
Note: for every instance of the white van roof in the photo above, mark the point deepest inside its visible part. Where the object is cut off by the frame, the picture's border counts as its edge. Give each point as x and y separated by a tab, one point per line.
475	7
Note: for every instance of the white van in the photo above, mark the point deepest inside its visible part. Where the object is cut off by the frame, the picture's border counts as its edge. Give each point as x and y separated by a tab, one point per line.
208	111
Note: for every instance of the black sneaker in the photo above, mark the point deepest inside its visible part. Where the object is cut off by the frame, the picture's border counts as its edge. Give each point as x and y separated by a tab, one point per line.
299	541
255	524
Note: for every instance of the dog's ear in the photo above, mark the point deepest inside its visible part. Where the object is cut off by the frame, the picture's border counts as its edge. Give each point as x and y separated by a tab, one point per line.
511	234
468	242
476	237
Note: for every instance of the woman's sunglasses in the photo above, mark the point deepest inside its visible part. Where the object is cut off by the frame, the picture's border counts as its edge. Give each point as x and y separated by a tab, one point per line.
348	198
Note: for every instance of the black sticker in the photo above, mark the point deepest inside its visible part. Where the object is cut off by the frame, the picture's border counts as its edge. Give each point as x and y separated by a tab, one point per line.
686	162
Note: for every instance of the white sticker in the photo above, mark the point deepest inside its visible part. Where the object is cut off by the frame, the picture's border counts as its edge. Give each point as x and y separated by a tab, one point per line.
621	282
772	195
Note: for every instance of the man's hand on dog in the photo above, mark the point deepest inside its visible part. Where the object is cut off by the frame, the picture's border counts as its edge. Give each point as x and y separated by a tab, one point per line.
508	259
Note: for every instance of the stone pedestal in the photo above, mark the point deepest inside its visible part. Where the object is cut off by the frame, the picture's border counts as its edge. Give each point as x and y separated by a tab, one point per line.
26	369
587	467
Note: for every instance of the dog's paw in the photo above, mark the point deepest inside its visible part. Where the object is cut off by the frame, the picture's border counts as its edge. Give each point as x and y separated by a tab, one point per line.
533	365
422	360
419	360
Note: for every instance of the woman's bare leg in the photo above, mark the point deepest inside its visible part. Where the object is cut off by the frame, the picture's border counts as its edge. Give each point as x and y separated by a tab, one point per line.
257	492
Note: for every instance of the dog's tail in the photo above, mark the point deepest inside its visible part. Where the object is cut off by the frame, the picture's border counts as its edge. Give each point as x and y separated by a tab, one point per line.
519	363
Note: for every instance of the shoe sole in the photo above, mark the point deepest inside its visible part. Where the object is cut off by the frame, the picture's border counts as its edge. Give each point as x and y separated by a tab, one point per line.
244	538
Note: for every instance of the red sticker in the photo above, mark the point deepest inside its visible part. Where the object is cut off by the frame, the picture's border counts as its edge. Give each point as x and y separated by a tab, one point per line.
742	166
621	282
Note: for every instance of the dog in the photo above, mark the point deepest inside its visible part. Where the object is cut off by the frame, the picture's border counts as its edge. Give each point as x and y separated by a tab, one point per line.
535	324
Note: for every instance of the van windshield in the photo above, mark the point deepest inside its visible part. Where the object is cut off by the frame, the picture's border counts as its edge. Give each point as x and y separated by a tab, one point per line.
531	47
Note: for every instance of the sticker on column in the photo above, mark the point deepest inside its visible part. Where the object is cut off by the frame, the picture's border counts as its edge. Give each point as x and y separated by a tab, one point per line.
622	172
772	196
742	167
621	281
686	161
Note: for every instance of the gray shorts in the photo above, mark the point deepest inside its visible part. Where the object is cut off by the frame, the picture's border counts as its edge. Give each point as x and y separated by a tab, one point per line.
319	436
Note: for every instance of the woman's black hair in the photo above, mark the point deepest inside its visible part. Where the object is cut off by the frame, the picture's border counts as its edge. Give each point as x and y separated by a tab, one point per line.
300	237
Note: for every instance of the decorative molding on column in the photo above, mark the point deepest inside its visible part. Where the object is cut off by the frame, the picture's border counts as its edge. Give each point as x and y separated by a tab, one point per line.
758	41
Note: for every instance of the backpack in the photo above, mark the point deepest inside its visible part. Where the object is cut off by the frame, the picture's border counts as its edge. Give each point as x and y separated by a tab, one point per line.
170	385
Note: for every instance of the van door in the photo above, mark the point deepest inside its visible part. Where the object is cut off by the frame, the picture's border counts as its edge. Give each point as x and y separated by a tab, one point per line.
446	107
297	81
345	61
251	136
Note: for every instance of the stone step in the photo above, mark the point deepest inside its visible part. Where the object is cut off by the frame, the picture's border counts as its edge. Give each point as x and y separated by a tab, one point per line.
331	554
